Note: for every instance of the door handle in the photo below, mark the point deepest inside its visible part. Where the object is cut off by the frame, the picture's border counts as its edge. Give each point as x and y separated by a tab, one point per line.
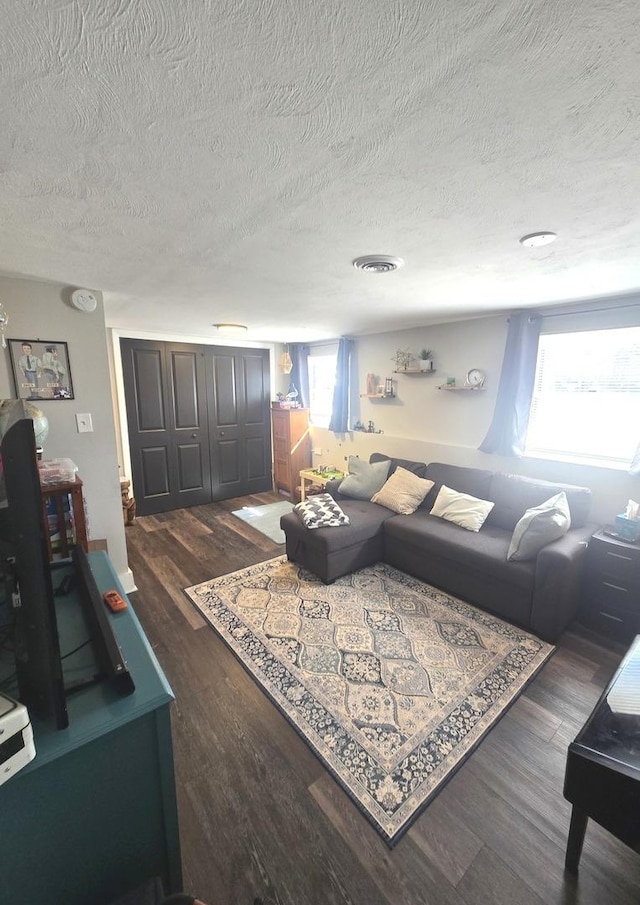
193	436
222	433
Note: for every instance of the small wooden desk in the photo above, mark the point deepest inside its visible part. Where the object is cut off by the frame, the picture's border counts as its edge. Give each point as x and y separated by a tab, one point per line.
58	492
311	476
602	779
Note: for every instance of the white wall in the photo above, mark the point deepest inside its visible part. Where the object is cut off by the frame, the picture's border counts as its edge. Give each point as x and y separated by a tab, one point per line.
41	310
433	425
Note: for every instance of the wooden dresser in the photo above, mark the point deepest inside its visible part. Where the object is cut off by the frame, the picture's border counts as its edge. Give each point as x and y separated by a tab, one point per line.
291	447
611	600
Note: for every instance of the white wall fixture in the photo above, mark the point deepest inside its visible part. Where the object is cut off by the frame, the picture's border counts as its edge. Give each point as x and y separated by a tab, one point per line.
231	329
537	240
84	300
378	263
84	423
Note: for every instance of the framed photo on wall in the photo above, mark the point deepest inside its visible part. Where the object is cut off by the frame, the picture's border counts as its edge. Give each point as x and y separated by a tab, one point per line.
40	369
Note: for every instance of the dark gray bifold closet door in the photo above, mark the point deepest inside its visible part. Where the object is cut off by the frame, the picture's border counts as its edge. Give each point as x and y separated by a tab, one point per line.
198	420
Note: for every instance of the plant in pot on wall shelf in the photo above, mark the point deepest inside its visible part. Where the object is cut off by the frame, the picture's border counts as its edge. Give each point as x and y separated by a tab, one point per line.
425	360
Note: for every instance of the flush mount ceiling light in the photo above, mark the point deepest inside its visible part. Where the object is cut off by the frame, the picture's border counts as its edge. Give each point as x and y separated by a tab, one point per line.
535	240
231	329
378	263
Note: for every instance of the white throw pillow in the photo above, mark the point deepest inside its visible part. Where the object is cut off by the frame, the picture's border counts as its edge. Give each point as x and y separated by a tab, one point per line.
539	526
403	492
465	510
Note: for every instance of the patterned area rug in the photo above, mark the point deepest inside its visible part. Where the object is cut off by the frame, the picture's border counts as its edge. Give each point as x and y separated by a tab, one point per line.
391	682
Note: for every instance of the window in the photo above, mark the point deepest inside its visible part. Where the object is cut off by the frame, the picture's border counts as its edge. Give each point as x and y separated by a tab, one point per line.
322	378
586	398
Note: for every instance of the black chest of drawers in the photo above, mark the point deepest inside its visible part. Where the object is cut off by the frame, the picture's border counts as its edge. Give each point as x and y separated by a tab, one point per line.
611	598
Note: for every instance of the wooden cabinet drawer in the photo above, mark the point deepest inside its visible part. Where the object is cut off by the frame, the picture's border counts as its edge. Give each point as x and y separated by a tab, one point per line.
619	625
281	432
612	592
615	560
281	473
281	447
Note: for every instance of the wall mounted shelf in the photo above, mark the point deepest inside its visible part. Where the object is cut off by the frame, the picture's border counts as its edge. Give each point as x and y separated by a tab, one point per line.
454	389
416	372
377	395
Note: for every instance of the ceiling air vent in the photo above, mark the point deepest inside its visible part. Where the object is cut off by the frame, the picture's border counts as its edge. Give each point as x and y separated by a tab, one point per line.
378	263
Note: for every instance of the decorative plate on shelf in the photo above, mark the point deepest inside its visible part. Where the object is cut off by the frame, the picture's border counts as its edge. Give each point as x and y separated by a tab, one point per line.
475	377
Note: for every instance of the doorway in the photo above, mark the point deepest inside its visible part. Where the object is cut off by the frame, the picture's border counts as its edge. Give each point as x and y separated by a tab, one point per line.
198	420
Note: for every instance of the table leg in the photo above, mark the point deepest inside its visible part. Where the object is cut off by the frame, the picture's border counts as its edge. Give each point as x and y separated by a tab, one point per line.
79	524
577	830
303	489
58	500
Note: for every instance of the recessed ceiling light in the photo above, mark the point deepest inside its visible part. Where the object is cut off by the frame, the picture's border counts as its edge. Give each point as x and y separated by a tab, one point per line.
231	329
378	263
535	240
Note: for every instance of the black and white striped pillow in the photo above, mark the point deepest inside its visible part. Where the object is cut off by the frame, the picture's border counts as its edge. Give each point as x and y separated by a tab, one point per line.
321	511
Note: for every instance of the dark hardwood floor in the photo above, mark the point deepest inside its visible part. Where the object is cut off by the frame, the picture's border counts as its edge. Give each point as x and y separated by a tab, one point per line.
260	817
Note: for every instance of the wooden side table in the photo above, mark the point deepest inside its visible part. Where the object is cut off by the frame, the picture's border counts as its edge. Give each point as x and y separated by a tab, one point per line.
71	490
312	476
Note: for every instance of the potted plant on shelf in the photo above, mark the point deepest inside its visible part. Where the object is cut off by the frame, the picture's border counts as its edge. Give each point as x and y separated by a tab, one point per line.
425	360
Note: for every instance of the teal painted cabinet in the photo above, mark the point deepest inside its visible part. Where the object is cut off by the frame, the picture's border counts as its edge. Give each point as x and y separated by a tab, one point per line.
94	814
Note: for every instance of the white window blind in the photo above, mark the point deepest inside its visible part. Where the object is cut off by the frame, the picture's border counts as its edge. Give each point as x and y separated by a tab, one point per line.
322	378
586	400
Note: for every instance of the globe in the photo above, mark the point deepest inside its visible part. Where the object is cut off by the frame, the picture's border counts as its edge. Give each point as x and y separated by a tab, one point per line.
40	423
11	409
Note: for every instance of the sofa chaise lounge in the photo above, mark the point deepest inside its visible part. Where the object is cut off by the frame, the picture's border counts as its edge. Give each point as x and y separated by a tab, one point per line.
540	594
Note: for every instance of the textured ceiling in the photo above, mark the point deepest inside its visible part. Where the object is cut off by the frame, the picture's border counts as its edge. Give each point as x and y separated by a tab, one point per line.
227	160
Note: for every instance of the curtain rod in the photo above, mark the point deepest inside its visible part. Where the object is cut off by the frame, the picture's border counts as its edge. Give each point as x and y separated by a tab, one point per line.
535	317
323	342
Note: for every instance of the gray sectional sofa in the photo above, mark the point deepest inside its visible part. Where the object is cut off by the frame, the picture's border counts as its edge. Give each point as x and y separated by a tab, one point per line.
541	595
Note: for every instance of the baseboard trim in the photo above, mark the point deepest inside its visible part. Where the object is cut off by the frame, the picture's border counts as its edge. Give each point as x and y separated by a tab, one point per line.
127	581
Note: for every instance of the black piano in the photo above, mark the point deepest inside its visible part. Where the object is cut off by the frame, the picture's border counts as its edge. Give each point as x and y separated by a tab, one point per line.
602	779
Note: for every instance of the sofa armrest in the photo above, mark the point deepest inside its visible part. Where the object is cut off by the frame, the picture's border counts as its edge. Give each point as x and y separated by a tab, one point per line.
558	582
332	488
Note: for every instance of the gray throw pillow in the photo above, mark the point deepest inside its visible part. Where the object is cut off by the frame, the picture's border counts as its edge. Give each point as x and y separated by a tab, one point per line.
539	526
364	478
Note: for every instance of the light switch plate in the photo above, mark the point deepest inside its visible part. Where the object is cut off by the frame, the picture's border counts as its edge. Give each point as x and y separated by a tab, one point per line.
84	422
